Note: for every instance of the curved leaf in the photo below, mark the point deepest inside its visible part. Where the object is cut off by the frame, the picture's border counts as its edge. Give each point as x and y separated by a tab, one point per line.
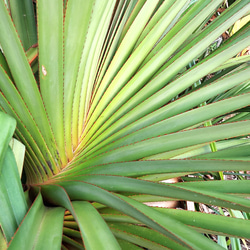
211	223
96	234
36	223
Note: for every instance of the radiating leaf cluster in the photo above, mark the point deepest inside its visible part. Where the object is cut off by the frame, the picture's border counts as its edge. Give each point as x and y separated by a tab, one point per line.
111	98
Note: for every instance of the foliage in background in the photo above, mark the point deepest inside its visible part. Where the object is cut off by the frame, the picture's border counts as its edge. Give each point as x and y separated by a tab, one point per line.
110	99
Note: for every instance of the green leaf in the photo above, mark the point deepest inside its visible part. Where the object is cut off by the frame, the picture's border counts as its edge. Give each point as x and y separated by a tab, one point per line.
19	151
7	128
4	64
12	202
3	241
233	62
77	17
50	40
176	123
24	19
191	239
50	230
147	148
182	191
143	236
133	62
210	223
135	209
240	152
24	119
71	232
124	49
71	243
147	97
140	168
95	232
235	187
172	109
127	245
90	57
113	93
39	225
24	79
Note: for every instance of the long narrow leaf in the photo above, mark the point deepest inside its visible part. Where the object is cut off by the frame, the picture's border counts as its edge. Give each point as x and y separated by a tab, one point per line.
211	223
96	234
50	40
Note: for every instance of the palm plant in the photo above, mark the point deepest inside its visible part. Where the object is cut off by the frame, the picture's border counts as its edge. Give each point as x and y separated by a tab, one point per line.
110	99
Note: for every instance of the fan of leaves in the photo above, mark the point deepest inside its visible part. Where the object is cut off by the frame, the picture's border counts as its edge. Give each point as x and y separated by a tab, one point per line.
111	98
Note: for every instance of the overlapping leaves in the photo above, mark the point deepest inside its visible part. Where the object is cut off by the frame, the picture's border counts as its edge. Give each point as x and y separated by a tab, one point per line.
108	104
